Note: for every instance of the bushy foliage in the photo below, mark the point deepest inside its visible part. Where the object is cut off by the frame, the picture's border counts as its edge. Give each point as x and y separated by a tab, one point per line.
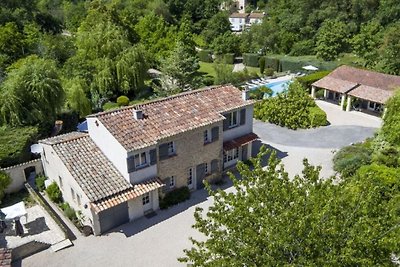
271	219
69	212
54	193
269	71
40	182
205	55
122	101
251	60
5	181
391	121
309	79
15	144
110	105
260	92
349	159
292	109
174	197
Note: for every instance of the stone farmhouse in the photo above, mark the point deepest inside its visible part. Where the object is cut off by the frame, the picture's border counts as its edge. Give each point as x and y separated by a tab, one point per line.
116	172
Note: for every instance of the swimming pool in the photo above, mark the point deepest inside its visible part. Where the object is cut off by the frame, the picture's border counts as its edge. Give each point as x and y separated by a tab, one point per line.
277	87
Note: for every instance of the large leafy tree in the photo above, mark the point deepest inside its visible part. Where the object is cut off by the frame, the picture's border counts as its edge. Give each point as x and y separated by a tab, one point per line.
216	26
391	126
31	93
179	70
331	39
272	220
389	60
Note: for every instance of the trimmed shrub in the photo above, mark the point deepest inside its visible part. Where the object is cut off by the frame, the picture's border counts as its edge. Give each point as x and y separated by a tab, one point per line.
54	193
317	117
205	55
122	101
229	58
307	80
261	63
174	197
110	105
251	59
39	182
272	63
259	93
269	72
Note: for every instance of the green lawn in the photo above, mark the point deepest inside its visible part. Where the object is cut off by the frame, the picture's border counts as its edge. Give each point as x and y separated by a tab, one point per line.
208	69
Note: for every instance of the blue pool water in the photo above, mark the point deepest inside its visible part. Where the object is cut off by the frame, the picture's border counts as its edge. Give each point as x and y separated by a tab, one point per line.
277	87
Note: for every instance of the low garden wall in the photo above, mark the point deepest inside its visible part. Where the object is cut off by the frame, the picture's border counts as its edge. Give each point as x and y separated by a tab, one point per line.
20	172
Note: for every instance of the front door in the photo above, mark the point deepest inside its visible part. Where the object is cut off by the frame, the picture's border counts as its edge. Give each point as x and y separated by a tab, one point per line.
244	152
146	201
200	174
190	179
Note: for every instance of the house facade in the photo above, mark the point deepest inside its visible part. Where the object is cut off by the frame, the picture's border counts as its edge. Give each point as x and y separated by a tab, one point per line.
131	156
242	21
357	88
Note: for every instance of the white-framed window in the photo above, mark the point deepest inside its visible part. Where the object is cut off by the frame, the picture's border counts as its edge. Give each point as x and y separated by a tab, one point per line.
140	160
146	199
73	193
60	181
206	137
233	119
231	154
172	181
171	148
206	168
190	177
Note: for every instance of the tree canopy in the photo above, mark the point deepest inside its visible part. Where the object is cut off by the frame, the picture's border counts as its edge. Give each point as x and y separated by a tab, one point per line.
272	220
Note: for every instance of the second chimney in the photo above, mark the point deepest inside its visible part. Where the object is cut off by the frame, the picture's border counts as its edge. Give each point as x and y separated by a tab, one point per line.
137	114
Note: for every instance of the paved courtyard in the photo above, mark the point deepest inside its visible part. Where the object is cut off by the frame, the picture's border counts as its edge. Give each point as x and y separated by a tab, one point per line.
159	240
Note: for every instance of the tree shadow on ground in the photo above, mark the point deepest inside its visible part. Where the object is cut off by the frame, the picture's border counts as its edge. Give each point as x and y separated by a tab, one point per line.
264	161
198	196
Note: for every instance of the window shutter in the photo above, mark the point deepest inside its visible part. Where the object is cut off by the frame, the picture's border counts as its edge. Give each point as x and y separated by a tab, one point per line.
131	164
163	151
214	134
214	165
200	174
166	182
226	121
153	156
242	116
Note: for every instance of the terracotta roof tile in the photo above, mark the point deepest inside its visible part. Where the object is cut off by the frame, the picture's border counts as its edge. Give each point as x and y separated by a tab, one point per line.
239	15
371	94
365	84
170	116
237	142
256	15
94	173
136	191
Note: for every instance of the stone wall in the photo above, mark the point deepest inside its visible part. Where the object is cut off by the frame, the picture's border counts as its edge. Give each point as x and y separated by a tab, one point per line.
191	151
17	174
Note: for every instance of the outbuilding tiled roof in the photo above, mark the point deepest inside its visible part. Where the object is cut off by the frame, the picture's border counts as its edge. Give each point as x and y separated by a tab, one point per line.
256	15
170	116
93	172
365	84
371	93
239	15
136	191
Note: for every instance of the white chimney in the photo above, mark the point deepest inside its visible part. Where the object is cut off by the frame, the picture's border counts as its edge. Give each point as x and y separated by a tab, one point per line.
137	114
245	94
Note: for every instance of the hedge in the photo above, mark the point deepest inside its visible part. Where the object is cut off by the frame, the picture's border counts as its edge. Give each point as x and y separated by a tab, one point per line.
15	144
174	197
307	80
205	55
229	58
317	117
272	63
251	59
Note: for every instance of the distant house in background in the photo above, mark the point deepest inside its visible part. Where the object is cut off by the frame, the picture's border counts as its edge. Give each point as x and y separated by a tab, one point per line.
238	21
255	18
364	89
241	21
234	6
